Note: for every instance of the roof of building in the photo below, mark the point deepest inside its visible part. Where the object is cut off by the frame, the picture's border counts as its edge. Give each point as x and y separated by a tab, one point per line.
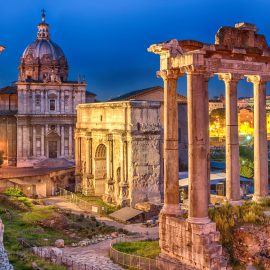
12	89
136	93
125	214
88	93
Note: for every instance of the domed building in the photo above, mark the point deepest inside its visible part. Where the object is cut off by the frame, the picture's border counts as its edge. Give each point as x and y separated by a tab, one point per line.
43	58
45	109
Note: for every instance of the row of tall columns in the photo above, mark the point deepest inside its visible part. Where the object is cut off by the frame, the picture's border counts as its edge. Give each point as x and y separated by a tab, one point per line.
232	140
198	137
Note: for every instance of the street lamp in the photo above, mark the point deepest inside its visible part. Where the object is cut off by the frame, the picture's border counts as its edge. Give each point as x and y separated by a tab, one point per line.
2	48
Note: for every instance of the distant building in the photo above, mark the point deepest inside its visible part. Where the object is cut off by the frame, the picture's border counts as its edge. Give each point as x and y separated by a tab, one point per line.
156	93
215	104
38	113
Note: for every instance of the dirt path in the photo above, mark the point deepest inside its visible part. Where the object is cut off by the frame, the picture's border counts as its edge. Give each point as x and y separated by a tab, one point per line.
97	255
62	203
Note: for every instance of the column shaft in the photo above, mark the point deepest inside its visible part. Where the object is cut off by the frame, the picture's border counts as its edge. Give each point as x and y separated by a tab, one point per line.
260	142
232	143
171	163
198	149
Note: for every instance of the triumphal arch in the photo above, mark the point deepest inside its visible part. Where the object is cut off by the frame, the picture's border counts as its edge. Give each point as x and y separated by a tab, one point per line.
238	53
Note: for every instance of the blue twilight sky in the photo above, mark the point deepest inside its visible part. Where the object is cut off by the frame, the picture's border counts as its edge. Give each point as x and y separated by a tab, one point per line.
107	40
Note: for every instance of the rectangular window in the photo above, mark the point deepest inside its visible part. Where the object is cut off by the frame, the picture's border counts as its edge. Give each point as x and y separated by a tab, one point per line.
52	104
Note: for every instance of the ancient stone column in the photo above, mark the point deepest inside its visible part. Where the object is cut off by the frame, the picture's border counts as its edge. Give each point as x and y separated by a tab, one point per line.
198	148
232	141
171	165
88	155
260	138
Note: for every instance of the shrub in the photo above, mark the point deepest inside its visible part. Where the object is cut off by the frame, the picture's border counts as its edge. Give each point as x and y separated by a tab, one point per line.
228	218
14	192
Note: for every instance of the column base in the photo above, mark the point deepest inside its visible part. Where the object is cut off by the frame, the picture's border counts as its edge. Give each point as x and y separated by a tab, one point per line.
235	203
189	246
171	209
195	220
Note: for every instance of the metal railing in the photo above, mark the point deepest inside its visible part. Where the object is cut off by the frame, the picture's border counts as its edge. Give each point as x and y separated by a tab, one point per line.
138	262
81	203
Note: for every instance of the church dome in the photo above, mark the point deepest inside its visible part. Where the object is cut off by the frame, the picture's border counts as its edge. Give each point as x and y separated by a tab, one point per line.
43	60
43	47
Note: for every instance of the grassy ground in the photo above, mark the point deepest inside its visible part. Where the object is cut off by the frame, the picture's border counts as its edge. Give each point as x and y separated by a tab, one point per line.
41	225
95	200
149	249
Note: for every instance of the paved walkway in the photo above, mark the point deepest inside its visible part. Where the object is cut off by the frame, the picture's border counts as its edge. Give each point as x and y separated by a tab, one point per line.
92	256
62	203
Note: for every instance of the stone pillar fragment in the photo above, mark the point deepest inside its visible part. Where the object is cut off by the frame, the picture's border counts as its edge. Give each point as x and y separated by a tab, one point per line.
198	148
260	138
232	140
171	163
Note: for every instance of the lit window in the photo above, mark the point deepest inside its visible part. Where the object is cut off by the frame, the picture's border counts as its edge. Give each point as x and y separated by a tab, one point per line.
52	104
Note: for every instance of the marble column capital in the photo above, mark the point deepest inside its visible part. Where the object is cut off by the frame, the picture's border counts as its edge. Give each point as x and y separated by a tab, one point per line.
257	79
167	74
196	70
230	77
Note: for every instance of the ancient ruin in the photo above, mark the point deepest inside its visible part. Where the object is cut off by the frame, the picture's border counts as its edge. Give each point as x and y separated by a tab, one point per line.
118	151
238	53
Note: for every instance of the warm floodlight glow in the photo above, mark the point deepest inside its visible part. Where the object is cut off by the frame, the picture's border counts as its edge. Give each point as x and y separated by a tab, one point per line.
2	48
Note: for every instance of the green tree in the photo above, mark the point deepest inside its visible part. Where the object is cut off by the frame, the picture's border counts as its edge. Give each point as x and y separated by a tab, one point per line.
218	115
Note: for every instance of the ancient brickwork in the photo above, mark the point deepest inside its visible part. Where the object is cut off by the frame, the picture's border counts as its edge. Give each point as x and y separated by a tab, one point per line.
202	249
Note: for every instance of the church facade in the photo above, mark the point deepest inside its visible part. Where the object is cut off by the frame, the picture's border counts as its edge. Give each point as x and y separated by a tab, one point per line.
46	104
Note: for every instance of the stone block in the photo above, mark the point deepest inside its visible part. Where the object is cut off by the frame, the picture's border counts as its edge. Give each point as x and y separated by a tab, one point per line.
194	246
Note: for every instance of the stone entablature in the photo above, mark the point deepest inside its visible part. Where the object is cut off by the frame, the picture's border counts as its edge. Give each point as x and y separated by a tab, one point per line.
118	151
